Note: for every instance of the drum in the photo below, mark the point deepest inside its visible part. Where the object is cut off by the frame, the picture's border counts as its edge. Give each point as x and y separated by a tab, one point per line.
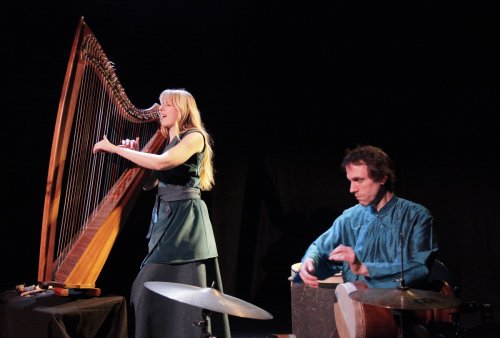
295	268
330	282
356	320
442	316
312	308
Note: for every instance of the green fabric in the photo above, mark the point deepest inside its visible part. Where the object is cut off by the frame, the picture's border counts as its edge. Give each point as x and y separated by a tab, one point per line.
180	230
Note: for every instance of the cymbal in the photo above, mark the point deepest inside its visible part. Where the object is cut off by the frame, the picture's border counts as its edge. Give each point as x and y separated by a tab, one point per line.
209	299
401	299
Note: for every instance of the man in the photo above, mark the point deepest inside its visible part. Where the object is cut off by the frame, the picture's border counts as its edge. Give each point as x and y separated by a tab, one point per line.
384	241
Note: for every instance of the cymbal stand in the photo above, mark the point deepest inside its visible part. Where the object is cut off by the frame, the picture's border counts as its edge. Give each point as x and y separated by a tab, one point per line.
402	286
203	323
401	279
406	326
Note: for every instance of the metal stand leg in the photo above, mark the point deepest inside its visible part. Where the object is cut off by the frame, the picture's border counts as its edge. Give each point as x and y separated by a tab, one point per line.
203	323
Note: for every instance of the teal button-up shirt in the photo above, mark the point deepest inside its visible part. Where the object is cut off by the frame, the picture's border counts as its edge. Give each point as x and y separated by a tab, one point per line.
376	240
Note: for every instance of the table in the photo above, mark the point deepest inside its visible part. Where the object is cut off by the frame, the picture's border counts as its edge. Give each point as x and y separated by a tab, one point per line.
52	316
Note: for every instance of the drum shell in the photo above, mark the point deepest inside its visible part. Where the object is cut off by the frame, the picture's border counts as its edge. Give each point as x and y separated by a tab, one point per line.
356	320
312	308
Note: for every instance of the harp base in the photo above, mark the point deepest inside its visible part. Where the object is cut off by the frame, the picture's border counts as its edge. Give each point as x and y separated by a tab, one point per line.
65	290
61	291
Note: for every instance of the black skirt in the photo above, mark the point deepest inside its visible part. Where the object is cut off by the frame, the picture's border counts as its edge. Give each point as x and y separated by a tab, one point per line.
155	315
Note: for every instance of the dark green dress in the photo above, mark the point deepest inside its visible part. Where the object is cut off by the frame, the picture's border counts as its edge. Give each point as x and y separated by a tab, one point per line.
181	249
180	229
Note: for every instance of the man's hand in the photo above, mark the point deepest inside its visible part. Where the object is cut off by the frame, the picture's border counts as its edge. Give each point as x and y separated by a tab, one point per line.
306	272
346	254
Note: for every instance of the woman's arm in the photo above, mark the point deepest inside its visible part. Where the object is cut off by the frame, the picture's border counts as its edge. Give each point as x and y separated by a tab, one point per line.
187	147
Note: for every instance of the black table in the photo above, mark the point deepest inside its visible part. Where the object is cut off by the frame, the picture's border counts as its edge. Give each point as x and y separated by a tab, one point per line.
52	316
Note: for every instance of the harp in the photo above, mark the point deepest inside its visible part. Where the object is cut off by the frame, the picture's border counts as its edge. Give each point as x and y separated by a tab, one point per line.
88	196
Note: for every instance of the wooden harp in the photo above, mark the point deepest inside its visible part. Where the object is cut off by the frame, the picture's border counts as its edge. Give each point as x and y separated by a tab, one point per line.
88	197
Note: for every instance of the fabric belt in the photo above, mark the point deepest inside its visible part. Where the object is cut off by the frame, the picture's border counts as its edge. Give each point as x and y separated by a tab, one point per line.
169	193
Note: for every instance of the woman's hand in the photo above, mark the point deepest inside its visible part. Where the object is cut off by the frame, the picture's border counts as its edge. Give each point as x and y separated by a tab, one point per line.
103	146
130	144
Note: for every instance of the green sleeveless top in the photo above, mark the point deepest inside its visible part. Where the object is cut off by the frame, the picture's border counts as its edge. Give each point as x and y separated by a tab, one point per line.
180	229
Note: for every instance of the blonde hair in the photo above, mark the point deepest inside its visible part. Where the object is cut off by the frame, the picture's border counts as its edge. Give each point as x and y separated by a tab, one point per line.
190	118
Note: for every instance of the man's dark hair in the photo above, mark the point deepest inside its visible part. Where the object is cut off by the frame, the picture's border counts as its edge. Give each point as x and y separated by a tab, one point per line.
378	162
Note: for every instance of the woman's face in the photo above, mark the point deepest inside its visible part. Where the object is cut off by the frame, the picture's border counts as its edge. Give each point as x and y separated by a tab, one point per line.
168	113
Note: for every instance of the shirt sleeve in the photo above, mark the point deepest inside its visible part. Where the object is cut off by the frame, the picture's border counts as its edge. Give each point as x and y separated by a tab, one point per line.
320	249
415	250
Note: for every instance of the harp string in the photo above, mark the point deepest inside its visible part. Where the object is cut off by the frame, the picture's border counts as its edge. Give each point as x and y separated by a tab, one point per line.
88	196
91	177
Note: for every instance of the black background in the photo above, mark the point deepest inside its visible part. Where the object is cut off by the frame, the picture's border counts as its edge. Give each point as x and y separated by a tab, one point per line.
283	88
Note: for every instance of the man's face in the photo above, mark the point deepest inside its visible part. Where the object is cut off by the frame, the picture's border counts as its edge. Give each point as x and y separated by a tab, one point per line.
363	187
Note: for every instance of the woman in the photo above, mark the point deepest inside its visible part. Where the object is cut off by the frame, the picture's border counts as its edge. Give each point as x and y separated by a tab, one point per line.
181	246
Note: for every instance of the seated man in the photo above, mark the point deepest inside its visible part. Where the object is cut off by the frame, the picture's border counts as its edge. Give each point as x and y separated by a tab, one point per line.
372	241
